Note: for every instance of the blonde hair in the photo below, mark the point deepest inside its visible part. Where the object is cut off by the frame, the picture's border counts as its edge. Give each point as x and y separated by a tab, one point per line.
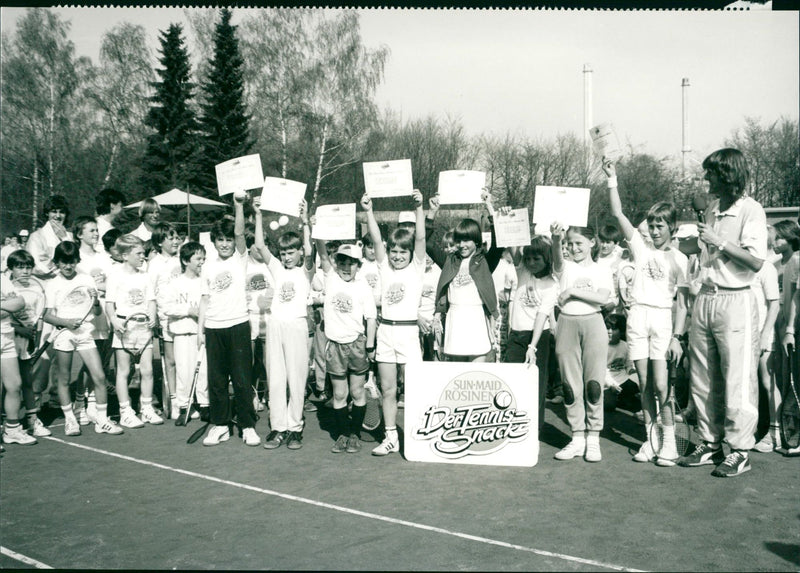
126	243
148	206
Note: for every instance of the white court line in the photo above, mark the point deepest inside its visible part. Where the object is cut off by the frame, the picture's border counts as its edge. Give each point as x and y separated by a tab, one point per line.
357	512
23	558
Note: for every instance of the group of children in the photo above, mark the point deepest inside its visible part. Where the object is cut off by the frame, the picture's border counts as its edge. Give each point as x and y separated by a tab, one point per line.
344	307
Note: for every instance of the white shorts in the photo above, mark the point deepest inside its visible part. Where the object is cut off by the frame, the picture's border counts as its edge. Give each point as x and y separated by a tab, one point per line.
166	335
8	348
649	332
81	338
398	344
143	333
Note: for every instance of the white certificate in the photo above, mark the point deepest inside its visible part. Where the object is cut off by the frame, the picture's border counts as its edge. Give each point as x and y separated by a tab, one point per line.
567	205
388	178
239	174
461	187
512	230
605	142
282	196
335	222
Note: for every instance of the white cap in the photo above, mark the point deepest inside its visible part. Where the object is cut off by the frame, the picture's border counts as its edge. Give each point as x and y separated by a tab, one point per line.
23	233
350	250
406	217
686	230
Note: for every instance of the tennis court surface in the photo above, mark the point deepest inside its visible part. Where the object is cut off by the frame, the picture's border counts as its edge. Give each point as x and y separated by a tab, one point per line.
148	500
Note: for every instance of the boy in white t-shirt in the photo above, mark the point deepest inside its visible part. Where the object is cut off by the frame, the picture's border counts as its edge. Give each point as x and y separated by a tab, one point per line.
349	304
660	275
287	330
224	327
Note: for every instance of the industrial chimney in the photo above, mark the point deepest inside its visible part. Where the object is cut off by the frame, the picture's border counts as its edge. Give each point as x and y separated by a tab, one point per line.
685	147
587	102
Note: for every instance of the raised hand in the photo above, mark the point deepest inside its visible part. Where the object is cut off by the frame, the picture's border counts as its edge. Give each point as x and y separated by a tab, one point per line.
416	195
366	202
608	168
557	230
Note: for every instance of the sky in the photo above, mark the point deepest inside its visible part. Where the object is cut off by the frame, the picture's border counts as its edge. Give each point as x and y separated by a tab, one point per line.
520	71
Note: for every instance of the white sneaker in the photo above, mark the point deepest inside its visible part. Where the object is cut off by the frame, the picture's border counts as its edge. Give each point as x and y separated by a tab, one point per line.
250	437
386	447
129	419
107	427
668	455
71	427
91	412
766	444
593	451
194	415
575	448
40	430
16	435
81	415
216	435
645	453
149	416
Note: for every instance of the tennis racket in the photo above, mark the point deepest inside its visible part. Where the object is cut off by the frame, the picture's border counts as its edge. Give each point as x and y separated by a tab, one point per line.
135	338
193	389
79	303
789	414
32	292
372	414
682	430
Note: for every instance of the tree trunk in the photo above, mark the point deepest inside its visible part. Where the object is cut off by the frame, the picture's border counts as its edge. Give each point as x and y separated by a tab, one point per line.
284	151
320	163
114	149
51	138
35	208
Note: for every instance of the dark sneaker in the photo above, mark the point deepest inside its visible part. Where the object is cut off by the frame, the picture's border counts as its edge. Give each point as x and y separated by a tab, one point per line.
294	440
181	419
274	440
703	455
309	406
317	396
340	446
736	463
353	444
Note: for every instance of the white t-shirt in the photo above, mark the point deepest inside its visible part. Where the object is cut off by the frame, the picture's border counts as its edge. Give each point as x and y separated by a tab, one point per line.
7	291
346	306
103	227
163	269
533	295
765	288
142	232
427	301
224	284
590	277
658	275
504	277
292	287
371	273
259	293
401	290
97	266
178	295
131	292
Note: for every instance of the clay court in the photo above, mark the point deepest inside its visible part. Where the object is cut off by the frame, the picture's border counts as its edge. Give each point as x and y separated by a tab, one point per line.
149	500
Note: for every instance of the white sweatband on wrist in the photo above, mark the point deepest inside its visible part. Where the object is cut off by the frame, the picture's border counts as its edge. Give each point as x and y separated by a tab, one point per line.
612	182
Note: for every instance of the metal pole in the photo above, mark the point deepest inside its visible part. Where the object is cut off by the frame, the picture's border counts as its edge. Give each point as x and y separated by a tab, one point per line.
686	149
587	102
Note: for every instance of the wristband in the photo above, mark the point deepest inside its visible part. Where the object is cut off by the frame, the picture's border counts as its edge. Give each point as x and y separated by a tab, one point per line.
370	349
722	246
612	182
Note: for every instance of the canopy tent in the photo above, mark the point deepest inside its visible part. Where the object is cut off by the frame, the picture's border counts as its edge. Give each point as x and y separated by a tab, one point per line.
176	199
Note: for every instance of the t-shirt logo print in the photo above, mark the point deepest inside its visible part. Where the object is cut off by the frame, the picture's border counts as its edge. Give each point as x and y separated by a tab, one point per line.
287	292
654	270
372	279
342	303
136	297
395	293
462	280
257	282
584	283
531	297
222	281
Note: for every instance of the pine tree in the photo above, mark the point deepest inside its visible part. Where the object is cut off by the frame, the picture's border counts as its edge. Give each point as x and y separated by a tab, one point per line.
224	120
171	158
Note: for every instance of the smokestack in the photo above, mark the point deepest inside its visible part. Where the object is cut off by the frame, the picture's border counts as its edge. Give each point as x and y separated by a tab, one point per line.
685	147
587	102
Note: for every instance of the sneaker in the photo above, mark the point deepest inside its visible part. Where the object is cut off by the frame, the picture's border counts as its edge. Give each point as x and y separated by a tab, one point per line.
645	453
639	417
16	435
593	452
129	419
573	449
309	406
150	416
274	440
386	447
82	416
181	419
668	455
557	399
766	444
736	463
317	396
216	435
401	401
71	427
195	414
340	446
703	455
91	412
294	440
353	445
107	426
174	410
40	430
250	437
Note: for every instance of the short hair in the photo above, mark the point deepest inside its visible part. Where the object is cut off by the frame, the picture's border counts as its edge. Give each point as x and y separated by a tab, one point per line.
223	228
161	233
79	224
20	258
610	233
110	237
468	230
126	243
771	234
789	231
55	202
664	211
332	246
149	205
448	237
105	198
366	240
67	252
617	322
540	247
249	235
188	250
730	166
289	240
402	237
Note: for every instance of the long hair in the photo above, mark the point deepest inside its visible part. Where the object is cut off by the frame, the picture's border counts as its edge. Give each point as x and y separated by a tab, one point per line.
731	167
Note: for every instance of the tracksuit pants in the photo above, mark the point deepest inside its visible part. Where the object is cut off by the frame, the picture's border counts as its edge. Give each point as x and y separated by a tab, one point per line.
229	357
